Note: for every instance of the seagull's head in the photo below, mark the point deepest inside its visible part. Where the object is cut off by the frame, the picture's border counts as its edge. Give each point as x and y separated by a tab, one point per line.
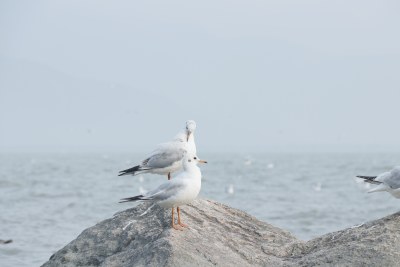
190	127
192	160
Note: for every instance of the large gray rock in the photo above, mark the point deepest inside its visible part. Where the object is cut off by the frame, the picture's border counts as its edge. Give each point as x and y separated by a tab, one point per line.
220	235
376	243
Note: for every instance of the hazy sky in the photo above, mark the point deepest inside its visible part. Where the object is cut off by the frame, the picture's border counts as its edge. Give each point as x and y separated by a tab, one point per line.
255	75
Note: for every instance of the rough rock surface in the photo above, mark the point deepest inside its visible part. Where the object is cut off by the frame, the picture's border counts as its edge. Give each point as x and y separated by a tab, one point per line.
376	243
223	236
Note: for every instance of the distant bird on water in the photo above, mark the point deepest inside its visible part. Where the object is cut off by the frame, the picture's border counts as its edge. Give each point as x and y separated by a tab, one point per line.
387	181
167	157
181	190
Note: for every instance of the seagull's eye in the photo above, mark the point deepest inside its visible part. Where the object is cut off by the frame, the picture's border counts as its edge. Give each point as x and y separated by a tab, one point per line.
194	158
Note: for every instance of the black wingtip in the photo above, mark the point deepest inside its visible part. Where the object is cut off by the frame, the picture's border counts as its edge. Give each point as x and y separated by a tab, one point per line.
369	179
366	177
131	171
129	199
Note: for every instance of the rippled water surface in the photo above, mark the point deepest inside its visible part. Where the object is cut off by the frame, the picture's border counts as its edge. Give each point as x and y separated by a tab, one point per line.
48	199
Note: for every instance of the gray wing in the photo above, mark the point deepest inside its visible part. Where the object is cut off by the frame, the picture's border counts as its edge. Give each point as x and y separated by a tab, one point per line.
393	180
165	191
164	158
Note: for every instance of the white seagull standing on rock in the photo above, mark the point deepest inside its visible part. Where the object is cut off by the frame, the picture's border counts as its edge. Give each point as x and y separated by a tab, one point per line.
387	181
181	190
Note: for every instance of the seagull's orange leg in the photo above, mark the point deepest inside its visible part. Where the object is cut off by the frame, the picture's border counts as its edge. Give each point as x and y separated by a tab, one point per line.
176	227
173	221
179	218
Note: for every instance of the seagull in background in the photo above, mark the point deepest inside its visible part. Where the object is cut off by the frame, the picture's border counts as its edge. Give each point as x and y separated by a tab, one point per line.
387	181
167	157
182	190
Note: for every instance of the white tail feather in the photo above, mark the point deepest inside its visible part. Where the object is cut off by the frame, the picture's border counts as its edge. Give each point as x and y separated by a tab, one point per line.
379	188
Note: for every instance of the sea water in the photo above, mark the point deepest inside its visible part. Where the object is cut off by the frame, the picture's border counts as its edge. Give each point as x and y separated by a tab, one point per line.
49	199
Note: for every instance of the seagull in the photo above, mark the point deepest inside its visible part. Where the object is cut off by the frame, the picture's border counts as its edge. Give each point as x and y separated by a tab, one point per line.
167	157
181	190
387	181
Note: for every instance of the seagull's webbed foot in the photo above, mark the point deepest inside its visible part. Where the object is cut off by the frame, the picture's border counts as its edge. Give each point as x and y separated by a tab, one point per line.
177	227
183	224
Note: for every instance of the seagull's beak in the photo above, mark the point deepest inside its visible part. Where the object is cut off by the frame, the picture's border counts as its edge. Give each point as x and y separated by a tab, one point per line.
187	136
202	161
